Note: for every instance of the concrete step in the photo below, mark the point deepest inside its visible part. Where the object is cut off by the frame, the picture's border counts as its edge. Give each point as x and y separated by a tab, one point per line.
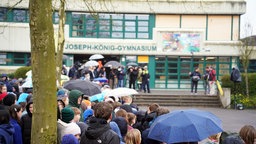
166	99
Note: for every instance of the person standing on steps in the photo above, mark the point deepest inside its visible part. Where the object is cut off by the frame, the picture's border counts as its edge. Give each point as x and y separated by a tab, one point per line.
145	79
206	81
212	81
195	77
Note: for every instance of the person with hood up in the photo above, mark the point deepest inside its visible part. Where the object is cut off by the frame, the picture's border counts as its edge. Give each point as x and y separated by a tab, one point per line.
99	130
75	99
26	123
235	75
6	82
6	129
66	126
16	112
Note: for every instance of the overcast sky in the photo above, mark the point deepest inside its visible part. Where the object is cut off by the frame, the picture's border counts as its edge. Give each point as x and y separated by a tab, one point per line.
249	16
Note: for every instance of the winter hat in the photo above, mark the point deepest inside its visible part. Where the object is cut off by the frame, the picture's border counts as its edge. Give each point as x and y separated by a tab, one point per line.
73	129
87	113
67	115
4	75
9	99
87	102
61	92
69	139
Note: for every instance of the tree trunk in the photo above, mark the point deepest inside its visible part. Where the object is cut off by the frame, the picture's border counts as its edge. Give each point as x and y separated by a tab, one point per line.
246	82
61	39
44	125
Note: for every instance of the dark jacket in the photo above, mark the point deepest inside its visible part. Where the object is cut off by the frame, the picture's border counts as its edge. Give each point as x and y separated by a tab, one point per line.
17	137
6	134
120	75
26	123
195	74
133	75
145	76
112	74
235	75
99	132
147	119
8	85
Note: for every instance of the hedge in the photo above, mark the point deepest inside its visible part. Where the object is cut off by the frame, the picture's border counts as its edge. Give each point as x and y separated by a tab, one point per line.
240	91
21	72
241	87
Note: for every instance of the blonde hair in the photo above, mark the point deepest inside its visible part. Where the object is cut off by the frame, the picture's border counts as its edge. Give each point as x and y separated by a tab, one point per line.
127	99
133	137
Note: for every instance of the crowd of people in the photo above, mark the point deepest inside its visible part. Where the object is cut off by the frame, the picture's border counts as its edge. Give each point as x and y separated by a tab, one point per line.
81	121
135	77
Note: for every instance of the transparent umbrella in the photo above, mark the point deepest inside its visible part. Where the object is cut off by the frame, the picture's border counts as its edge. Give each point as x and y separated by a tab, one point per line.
96	56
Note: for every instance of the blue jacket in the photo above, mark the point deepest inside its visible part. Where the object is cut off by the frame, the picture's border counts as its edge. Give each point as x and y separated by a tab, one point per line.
6	134
17	137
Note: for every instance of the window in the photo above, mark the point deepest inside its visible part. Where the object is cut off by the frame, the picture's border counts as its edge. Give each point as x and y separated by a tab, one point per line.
128	26
3	14
18	58
20	15
55	17
3	58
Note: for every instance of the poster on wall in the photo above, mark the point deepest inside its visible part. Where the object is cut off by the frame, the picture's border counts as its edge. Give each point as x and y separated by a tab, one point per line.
180	42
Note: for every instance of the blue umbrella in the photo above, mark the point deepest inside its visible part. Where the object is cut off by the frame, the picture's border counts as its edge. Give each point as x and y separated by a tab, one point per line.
102	80
185	126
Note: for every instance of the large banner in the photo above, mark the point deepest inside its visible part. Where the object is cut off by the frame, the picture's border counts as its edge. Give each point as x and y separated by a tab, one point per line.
181	42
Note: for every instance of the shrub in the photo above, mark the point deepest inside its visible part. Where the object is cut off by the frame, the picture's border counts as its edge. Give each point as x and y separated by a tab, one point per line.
11	75
21	72
240	87
242	99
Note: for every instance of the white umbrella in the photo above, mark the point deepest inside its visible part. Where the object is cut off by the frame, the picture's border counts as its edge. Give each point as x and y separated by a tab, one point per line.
90	64
119	92
29	73
96	56
27	84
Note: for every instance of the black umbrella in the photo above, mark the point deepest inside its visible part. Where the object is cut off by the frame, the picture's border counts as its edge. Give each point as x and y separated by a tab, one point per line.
87	87
114	64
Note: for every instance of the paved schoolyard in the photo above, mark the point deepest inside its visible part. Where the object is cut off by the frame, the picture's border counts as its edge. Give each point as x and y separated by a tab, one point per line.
232	119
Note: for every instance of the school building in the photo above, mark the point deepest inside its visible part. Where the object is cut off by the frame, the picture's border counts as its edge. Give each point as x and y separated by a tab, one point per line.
171	37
